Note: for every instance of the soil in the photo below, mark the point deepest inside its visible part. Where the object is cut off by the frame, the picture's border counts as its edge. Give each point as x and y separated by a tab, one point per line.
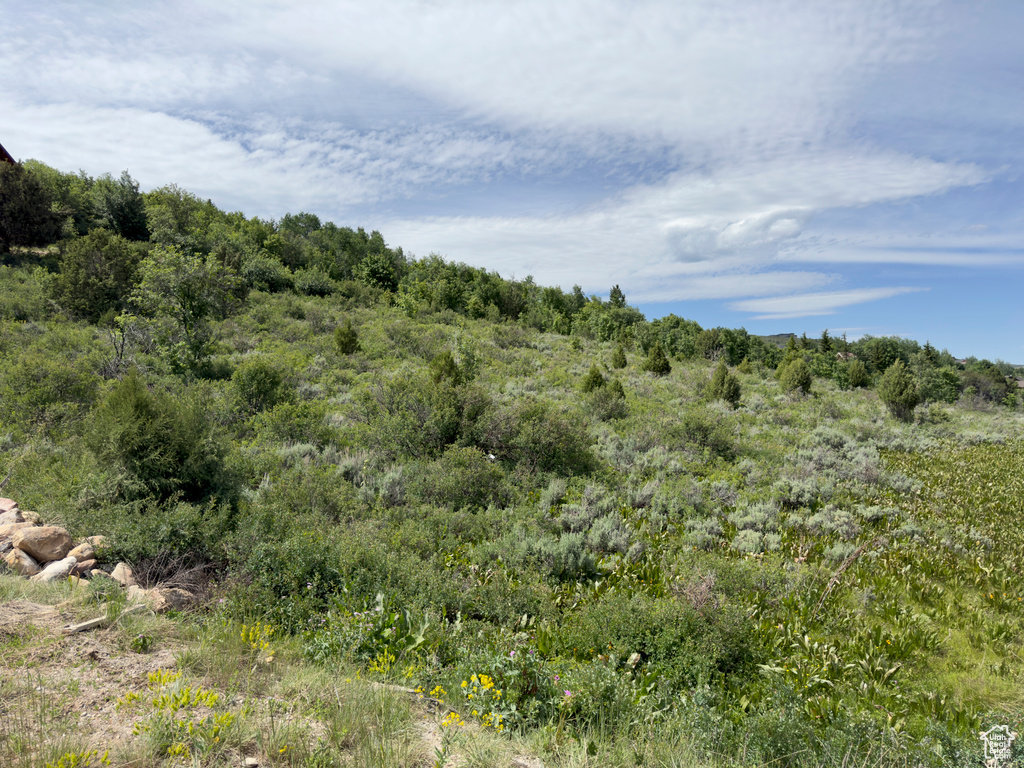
84	674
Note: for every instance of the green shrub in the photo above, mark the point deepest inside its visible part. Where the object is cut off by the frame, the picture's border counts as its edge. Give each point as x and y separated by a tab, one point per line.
857	374
685	646
537	437
300	422
593	380
314	282
163	445
263	273
796	376
656	362
618	360
608	402
462	477
51	388
346	339
705	430
724	386
414	416
257	385
97	274
898	391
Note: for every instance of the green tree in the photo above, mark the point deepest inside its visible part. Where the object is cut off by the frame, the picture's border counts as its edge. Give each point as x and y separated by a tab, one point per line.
656	362
72	196
857	374
160	445
724	385
796	376
825	345
898	391
27	216
346	339
97	274
182	292
593	380
378	270
619	360
121	206
616	297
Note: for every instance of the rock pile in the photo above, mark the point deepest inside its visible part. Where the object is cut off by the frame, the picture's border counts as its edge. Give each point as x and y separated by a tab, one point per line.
48	553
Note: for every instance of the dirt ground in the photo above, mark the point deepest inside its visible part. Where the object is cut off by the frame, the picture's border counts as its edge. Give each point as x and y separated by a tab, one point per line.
82	676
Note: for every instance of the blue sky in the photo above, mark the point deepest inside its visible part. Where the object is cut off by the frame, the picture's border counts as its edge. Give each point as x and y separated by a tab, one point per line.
782	166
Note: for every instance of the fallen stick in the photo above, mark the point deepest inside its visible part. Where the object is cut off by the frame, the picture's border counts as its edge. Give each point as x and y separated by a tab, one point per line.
85	626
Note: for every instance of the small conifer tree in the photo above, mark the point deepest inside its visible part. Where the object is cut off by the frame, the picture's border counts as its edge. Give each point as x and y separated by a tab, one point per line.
346	339
796	376
898	390
656	362
724	386
619	360
858	375
593	380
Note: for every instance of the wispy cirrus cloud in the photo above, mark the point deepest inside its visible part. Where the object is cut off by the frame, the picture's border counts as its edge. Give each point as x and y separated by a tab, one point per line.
807	304
683	151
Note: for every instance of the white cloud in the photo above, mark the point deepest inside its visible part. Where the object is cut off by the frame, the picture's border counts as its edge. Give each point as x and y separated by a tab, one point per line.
805	305
738	118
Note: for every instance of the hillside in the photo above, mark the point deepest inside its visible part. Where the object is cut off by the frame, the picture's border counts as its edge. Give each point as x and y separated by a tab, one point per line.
635	542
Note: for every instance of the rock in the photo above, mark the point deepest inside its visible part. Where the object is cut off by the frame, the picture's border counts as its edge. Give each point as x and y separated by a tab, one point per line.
83	552
252	762
11	516
56	571
5	547
32	517
6	505
83	568
123	573
45	543
97	541
7	530
161	599
22	562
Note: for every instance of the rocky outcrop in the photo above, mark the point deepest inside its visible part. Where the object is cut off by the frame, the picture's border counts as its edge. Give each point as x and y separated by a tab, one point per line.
123	574
57	570
46	543
21	562
47	553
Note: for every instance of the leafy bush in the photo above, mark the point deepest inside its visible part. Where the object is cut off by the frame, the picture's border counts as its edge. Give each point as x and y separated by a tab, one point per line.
618	359
257	384
685	646
462	477
264	273
314	282
608	402
537	437
703	429
413	416
857	374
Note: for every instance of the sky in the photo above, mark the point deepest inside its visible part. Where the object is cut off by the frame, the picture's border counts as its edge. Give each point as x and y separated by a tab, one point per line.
782	166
